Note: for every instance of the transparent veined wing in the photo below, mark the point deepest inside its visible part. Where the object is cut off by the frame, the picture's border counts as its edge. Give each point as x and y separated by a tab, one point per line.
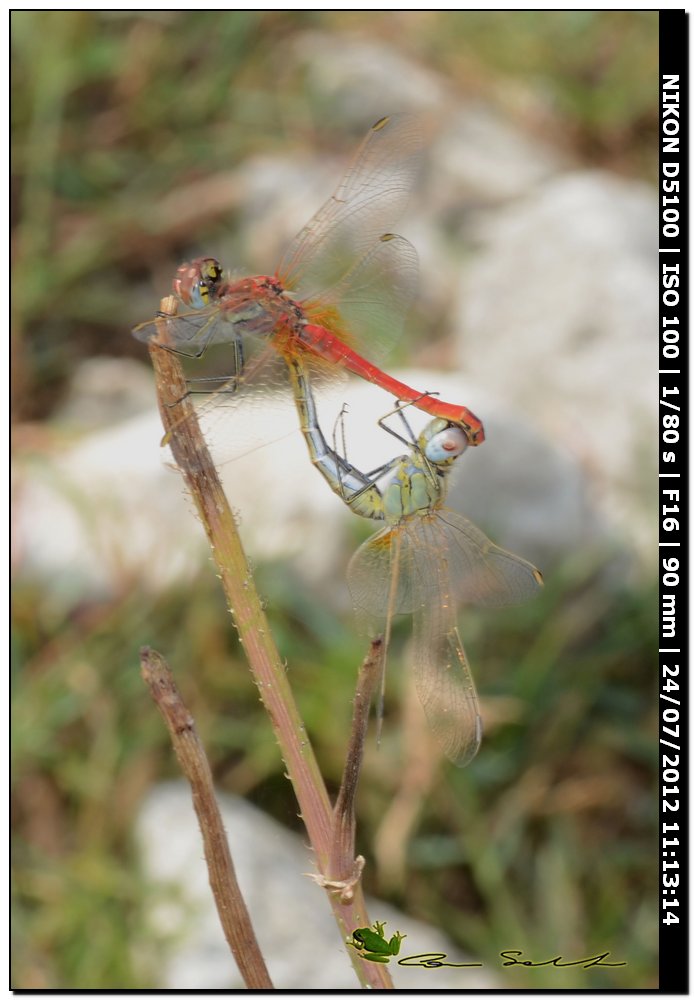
444	683
367	203
481	573
190	332
379	577
405	569
441	672
368	306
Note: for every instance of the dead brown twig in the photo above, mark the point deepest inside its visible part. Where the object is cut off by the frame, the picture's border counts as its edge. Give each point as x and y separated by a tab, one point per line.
233	915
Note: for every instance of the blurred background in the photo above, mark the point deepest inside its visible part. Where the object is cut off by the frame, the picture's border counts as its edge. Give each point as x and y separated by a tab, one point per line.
140	140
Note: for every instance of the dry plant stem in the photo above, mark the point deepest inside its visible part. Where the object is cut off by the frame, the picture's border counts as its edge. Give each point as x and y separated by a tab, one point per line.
234	916
195	463
342	859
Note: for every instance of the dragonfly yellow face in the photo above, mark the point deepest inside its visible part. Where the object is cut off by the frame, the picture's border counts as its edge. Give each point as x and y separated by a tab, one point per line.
426	561
340	293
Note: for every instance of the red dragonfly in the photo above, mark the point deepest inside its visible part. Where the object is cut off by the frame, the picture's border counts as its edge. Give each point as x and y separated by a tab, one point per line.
345	280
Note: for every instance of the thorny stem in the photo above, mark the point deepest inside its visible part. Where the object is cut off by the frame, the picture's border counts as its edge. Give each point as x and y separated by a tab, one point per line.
192	457
233	915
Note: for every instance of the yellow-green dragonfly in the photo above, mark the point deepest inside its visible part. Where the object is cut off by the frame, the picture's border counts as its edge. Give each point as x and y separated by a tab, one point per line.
426	561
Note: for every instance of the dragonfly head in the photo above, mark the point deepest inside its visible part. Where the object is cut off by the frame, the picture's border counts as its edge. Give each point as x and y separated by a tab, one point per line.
196	283
442	441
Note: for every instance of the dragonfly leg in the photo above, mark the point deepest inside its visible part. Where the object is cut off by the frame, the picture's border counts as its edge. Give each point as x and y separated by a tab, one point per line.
226	383
181	354
341	449
341	452
401	405
382	470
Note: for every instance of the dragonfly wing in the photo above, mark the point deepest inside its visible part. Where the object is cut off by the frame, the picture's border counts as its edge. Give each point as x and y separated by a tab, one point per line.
189	332
226	368
426	566
369	199
444	683
379	577
367	308
403	570
481	573
441	672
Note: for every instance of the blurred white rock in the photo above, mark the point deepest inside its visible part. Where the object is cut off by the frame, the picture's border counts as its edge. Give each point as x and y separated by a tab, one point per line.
480	159
106	391
360	81
110	511
291	916
102	514
557	315
473	151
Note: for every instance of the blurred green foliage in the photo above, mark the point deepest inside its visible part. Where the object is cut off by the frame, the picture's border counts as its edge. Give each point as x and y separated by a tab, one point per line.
546	842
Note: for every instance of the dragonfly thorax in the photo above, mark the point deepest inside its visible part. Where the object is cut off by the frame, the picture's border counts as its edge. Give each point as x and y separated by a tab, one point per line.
258	306
413	488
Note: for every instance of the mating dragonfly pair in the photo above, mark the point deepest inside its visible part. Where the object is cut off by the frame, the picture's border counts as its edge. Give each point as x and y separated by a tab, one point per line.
346	280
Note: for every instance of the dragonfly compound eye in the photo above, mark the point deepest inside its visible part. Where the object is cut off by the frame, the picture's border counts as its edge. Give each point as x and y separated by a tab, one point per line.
446	446
210	272
196	283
